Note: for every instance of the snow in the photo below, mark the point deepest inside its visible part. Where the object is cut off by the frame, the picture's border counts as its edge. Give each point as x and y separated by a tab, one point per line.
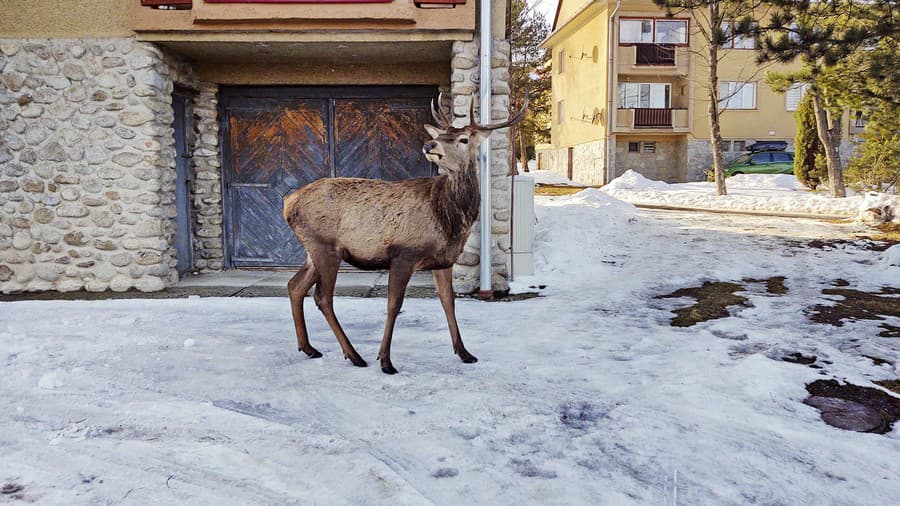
585	395
773	193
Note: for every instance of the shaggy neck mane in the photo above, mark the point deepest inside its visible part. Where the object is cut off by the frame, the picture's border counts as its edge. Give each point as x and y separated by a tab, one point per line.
456	202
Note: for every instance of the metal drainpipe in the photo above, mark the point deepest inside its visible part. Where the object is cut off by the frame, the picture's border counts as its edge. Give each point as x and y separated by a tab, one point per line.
609	91
486	290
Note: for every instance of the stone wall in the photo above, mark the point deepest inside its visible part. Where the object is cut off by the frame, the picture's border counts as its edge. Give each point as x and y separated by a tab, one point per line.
667	163
464	88
87	162
207	188
587	162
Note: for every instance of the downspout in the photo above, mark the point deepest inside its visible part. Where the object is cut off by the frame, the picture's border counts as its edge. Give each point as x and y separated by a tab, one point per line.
609	91
486	290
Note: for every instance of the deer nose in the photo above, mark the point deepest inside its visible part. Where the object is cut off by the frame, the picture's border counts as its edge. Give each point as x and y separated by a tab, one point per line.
429	146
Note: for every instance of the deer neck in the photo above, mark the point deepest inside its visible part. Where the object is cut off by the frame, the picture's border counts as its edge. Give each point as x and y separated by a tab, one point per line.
458	202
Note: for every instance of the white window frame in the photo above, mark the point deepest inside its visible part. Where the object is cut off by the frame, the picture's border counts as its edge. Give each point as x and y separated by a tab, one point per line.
633	94
653	34
736	41
794	95
732	95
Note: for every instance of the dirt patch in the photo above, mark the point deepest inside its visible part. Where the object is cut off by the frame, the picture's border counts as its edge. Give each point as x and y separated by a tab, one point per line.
809	360
852	407
556	190
892	385
859	305
774	285
713	299
890	233
13	490
865	243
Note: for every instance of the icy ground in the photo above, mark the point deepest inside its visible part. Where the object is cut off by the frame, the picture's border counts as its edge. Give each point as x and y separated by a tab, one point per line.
583	396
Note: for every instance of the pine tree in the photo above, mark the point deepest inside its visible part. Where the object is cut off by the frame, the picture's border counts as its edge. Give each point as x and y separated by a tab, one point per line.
809	154
529	75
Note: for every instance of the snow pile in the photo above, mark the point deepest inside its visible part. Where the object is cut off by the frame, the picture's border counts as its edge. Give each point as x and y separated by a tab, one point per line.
772	193
632	180
765	182
891	257
573	233
551	178
879	208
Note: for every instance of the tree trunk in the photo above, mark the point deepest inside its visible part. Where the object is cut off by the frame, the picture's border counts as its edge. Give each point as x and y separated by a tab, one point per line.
715	132
523	153
829	131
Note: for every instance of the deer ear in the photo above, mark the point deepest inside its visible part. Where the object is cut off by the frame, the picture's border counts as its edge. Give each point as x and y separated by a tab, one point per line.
434	131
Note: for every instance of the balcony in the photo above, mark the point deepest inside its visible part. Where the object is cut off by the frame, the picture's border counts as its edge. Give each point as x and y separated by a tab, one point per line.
302	20
654	59
657	120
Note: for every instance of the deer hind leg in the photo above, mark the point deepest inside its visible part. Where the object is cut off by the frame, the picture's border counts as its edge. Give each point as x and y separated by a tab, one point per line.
398	278
298	287
327	264
443	280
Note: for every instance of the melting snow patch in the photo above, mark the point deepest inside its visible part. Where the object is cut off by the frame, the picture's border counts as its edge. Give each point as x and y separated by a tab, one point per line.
891	257
189	342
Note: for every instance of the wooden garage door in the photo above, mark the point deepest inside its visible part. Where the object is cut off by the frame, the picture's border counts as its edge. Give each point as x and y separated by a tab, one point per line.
280	139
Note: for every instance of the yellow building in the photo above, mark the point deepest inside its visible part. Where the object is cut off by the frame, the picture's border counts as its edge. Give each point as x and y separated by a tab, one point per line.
630	92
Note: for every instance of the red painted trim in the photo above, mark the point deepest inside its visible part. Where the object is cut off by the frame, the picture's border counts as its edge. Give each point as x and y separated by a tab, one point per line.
687	33
298	1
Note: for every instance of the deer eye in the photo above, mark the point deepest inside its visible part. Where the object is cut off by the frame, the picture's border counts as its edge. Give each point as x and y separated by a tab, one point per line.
463	140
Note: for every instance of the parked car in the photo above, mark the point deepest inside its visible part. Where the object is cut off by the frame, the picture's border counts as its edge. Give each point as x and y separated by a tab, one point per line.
765	162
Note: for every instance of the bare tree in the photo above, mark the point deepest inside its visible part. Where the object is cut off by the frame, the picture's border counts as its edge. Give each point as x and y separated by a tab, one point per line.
717	23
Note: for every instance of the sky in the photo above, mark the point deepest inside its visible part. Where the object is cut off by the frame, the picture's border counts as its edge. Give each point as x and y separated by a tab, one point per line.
548	7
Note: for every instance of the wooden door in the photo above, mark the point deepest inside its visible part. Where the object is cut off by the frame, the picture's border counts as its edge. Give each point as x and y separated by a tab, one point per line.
276	147
280	139
182	124
381	138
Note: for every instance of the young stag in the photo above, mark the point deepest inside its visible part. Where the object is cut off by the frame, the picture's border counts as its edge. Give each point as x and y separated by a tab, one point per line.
404	226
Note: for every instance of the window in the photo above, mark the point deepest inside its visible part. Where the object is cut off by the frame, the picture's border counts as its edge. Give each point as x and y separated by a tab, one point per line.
649	31
794	95
736	41
740	146
782	157
560	111
726	145
759	158
644	95
561	64
634	147
737	95
649	147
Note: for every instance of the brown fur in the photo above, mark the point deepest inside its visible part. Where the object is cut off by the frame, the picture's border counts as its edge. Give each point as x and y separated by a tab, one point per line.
405	226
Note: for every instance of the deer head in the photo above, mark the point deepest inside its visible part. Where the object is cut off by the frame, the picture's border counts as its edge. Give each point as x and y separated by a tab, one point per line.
452	148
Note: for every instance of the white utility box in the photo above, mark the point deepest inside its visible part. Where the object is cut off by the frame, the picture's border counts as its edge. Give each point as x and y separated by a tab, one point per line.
522	226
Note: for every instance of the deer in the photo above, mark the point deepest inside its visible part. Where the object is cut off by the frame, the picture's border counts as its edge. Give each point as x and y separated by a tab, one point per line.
418	224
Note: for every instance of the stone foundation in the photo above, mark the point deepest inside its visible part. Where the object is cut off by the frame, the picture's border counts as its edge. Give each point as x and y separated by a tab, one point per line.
208	240
464	89
88	164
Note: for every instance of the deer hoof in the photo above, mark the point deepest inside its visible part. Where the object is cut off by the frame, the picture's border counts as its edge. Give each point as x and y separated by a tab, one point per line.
467	357
388	369
311	352
357	361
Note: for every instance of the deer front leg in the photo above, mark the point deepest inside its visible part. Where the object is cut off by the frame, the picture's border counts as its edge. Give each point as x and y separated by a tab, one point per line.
443	280
328	265
298	287
398	278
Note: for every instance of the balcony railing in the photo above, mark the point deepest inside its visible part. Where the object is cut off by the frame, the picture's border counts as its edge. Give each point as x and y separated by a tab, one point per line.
654	54
653	118
674	120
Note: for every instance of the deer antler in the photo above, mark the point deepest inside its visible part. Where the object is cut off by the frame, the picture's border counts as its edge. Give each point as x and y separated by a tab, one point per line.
474	125
438	114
